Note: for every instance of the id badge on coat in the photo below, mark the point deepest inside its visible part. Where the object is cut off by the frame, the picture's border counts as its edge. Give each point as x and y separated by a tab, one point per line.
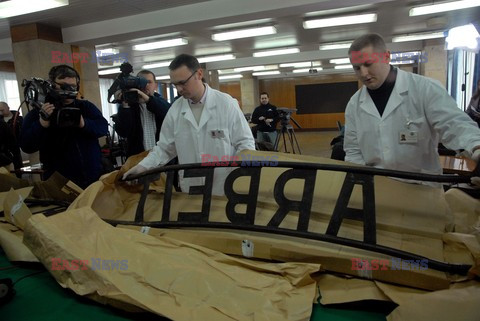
408	137
217	133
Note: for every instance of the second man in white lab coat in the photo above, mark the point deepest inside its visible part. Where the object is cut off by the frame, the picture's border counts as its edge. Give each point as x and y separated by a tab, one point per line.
396	120
203	121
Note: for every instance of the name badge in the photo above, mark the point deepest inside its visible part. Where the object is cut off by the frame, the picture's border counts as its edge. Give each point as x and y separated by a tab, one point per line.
217	133
408	137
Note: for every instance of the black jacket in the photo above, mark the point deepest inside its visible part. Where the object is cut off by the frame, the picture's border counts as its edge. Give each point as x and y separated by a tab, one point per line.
128	123
267	111
15	125
73	152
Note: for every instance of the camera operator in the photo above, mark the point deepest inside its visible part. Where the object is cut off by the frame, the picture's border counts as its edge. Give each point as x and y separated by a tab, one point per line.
66	130
14	121
266	117
140	122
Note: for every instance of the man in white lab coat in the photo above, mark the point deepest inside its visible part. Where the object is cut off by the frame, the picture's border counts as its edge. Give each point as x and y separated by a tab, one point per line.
396	120
201	125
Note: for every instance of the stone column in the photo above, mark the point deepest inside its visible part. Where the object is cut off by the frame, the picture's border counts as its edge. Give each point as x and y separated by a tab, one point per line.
436	65
213	79
249	90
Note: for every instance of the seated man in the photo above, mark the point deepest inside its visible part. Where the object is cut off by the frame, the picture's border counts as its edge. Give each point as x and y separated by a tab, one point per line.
266	117
396	120
140	123
68	145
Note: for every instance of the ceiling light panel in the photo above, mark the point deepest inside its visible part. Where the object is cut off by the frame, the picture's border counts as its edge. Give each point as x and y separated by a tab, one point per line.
14	8
276	52
340	21
244	33
443	7
161	44
419	36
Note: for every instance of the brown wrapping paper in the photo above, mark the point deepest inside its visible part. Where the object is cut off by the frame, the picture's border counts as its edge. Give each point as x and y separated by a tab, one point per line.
178	280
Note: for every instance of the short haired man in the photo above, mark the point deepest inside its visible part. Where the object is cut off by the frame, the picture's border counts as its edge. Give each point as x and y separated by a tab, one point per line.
72	150
202	123
14	123
266	117
140	123
393	104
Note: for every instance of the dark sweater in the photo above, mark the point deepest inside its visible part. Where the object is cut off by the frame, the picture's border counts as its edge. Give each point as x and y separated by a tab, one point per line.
381	95
128	123
269	112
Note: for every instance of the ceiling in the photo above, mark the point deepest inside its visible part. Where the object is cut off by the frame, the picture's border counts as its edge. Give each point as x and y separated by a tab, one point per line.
123	23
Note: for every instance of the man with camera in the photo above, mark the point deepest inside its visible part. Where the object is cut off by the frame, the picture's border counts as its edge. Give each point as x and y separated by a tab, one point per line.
266	117
140	122
203	122
64	129
14	121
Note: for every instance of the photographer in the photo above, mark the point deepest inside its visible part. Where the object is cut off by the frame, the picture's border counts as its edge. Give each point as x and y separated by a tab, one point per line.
14	121
65	130
140	122
266	117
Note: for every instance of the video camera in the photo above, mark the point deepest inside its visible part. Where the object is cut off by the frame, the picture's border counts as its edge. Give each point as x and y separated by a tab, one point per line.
38	92
125	82
285	115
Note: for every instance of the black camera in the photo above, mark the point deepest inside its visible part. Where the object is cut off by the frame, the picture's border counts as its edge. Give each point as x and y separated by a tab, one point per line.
38	92
125	82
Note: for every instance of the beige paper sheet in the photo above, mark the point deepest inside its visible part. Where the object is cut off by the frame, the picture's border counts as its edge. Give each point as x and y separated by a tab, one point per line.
178	280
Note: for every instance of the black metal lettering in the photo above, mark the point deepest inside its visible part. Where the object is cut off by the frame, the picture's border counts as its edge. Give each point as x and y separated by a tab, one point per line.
235	198
205	190
285	205
365	215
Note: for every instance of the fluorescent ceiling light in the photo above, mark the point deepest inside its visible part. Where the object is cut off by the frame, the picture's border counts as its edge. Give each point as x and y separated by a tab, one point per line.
344	67
243	24
235	76
216	58
276	52
244	33
167	77
157	65
14	8
266	73
301	64
161	44
163	57
254	68
340	21
106	51
443	7
463	37
306	70
402	62
337	45
217	50
340	61
109	71
226	71
418	36
276	42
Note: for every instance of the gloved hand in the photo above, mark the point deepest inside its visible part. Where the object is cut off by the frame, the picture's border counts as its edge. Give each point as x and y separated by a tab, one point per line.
475	180
137	169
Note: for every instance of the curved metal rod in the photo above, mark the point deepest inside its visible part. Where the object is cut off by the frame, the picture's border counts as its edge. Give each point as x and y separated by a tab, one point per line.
314	166
460	269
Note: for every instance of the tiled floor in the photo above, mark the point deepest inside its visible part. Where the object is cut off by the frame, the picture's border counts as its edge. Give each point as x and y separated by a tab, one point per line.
312	143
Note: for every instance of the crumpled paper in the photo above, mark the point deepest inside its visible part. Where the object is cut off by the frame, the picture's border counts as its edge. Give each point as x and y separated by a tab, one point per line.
171	278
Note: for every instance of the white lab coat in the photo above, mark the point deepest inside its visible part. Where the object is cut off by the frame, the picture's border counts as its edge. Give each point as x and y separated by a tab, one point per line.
181	136
417	106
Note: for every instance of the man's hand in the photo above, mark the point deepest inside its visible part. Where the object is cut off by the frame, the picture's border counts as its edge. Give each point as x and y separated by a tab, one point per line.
142	97
45	114
135	170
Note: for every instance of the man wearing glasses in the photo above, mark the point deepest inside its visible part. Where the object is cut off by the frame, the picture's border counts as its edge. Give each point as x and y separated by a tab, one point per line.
66	131
203	121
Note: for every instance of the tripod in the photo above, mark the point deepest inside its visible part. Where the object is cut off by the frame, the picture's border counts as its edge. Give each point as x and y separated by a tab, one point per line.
287	129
